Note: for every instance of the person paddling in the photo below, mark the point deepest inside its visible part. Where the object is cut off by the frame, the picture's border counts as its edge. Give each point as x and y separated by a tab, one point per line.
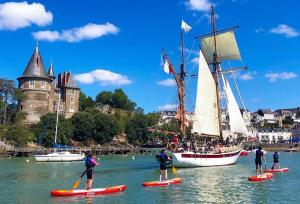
258	157
276	161
90	163
163	158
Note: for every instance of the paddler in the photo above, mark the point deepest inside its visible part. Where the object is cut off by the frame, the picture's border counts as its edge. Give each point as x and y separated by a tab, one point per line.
276	161
163	158
258	157
90	163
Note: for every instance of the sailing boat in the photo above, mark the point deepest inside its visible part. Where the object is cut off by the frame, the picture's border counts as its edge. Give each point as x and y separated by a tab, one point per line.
215	47
63	156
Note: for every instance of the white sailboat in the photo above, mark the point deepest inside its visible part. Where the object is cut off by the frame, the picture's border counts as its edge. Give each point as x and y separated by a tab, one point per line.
63	156
215	48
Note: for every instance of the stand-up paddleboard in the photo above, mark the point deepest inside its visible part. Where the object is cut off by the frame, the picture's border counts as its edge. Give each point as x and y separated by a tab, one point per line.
277	170
259	178
162	183
82	192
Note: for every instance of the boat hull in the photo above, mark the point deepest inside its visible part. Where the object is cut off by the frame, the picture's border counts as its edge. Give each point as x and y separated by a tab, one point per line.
59	157
95	191
162	183
192	159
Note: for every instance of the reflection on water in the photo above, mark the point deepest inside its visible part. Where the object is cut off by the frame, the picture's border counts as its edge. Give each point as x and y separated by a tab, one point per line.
31	182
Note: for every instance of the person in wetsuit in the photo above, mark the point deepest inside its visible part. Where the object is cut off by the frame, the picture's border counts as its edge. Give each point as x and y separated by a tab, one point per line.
163	158
276	161
90	163
259	156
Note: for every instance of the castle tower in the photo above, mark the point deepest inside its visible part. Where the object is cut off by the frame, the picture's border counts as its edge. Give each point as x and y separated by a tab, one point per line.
53	90
69	93
35	84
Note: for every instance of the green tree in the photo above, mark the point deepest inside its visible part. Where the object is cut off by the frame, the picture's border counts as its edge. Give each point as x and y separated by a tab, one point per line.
118	99
106	128
105	97
84	126
8	95
19	136
85	102
137	127
45	130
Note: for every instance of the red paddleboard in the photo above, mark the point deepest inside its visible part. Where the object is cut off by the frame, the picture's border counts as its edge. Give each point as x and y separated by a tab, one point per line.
259	178
94	191
162	183
277	170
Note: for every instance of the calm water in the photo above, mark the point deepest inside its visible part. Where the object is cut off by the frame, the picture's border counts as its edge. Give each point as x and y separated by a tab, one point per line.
22	182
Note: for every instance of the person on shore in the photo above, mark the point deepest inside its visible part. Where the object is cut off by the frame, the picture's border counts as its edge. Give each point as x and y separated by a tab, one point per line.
90	163
258	160
276	161
163	158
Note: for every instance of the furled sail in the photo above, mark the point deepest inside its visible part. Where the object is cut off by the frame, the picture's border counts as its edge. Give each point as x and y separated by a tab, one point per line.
236	121
227	48
206	110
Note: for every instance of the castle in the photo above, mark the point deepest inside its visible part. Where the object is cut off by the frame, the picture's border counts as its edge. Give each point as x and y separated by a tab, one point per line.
43	93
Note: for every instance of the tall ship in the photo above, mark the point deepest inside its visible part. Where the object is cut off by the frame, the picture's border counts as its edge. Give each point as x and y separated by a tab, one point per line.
212	80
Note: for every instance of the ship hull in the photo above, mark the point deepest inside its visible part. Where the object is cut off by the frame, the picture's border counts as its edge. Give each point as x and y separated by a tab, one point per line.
190	159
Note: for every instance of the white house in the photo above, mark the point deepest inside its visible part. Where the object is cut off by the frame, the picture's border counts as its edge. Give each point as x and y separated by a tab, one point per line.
273	135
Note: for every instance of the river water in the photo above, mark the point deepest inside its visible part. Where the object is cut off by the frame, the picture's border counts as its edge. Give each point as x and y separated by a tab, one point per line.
31	182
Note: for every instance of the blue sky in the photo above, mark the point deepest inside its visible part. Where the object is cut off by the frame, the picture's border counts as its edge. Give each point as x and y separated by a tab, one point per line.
117	44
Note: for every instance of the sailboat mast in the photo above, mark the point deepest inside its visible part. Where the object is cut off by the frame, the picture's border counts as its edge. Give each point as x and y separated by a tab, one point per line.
216	67
57	113
181	89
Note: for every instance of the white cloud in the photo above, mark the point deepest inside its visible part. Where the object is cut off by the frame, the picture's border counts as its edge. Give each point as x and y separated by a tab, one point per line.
283	75
247	76
259	30
285	30
104	77
15	15
195	60
87	32
167	82
198	5
168	107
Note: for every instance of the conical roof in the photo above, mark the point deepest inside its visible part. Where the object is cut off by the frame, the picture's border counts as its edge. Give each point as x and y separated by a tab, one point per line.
51	71
71	82
35	66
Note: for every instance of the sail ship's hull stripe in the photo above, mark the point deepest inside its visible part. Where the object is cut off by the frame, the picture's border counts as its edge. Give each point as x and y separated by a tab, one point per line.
209	155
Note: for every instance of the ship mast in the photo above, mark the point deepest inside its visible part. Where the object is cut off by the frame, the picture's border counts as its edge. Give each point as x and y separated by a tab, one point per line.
182	74
179	78
216	68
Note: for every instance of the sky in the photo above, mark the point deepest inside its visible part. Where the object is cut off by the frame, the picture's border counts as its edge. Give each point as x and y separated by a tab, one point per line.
117	44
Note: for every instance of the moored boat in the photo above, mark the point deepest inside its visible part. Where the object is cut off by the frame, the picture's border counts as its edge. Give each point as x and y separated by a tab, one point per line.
64	156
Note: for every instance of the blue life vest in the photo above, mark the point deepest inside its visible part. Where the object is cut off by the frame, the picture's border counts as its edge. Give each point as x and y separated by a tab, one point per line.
88	163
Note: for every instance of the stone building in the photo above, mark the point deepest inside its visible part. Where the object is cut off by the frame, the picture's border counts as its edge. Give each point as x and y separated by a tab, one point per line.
42	91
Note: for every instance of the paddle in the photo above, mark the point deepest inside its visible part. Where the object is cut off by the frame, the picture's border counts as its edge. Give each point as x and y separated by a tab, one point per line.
174	171
76	184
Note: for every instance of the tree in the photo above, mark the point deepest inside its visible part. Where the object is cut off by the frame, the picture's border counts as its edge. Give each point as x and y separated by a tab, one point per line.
85	102
84	126
19	136
106	127
105	97
118	99
8	94
45	130
137	127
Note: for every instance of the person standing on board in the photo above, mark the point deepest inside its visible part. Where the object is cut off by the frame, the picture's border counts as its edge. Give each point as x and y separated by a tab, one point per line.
90	163
258	157
276	161
163	158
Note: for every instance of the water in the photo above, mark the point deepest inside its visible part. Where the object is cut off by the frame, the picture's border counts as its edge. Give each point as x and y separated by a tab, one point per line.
31	182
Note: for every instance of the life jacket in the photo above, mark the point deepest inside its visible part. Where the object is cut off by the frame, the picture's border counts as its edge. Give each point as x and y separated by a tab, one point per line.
88	163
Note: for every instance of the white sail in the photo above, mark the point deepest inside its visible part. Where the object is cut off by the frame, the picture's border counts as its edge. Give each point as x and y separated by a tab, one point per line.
227	47
236	121
206	110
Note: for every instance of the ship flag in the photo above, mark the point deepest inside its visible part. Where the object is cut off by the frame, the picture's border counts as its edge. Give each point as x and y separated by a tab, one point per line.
185	26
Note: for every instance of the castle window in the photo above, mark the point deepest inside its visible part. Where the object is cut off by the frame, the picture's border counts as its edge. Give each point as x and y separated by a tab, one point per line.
43	86
31	83
72	99
72	108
